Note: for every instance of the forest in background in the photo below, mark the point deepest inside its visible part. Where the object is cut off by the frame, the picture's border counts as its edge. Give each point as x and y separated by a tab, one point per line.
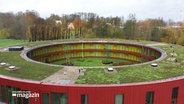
30	26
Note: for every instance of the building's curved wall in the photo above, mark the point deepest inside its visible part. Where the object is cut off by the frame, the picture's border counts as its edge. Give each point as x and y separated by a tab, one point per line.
97	94
131	52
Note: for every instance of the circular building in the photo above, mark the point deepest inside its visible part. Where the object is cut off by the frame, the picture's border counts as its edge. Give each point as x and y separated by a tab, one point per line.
111	54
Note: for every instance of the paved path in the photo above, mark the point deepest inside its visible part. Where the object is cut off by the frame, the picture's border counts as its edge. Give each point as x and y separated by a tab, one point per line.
157	44
4	49
66	75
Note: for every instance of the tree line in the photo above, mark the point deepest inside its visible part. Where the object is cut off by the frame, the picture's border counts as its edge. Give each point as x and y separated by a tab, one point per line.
30	26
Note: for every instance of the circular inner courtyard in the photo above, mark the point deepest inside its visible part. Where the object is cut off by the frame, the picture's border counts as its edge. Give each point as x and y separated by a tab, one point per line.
94	54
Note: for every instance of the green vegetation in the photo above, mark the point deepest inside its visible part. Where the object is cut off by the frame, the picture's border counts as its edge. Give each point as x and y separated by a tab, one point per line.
34	71
142	73
4	33
26	70
29	25
90	62
130	74
8	42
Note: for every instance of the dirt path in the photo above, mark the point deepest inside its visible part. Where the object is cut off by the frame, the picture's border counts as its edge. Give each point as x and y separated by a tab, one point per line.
66	75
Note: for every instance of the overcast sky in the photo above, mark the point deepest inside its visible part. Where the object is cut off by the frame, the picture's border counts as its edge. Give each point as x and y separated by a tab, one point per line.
168	9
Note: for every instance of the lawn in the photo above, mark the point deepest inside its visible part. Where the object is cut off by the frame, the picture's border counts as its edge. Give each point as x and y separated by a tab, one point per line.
9	42
90	62
129	74
27	70
142	73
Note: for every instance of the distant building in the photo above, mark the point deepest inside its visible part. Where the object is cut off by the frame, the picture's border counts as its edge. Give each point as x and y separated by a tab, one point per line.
71	26
58	22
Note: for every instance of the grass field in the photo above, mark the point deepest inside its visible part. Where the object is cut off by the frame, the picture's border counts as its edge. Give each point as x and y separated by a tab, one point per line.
27	70
90	62
142	73
34	71
8	42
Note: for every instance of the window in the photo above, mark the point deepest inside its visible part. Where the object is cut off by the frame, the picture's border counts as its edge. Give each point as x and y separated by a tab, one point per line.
45	98
96	53
17	99
107	46
71	47
174	95
72	55
25	100
55	98
91	46
119	55
59	98
84	99
10	97
119	47
0	94
6	95
63	98
119	99
149	97
3	93
96	46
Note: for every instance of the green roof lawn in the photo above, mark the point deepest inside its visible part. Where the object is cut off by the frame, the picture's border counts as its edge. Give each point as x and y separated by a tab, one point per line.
130	74
27	70
166	69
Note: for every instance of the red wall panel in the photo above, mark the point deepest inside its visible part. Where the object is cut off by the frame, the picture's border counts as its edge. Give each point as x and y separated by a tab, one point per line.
104	94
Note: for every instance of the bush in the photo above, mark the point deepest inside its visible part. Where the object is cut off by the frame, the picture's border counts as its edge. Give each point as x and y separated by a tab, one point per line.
107	62
4	33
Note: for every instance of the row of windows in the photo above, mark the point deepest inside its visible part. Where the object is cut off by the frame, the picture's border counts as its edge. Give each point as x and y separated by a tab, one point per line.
56	98
102	54
62	98
57	48
6	96
40	52
88	54
149	99
150	96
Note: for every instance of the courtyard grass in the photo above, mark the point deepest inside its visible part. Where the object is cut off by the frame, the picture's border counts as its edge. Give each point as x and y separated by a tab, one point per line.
90	62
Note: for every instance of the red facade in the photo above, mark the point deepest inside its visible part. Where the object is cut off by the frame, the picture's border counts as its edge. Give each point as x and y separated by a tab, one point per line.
104	94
